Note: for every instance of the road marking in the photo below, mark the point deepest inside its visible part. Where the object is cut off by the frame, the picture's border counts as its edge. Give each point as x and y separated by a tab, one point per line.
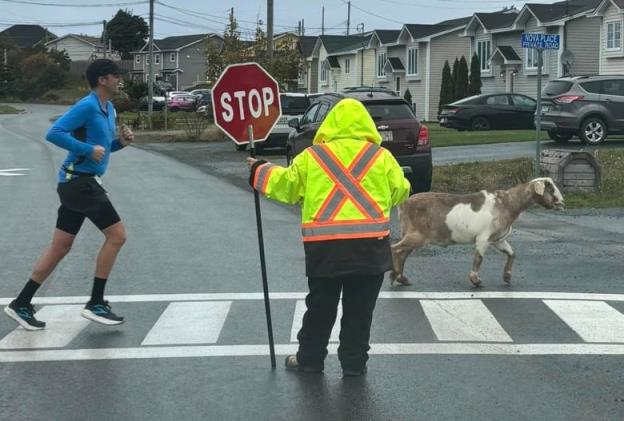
235	296
189	323
64	324
287	349
463	320
11	172
300	309
592	321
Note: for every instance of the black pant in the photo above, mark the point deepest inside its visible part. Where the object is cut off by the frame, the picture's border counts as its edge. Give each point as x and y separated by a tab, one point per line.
359	295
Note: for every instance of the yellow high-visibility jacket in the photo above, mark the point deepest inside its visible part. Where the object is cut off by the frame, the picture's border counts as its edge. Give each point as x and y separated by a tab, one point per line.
346	183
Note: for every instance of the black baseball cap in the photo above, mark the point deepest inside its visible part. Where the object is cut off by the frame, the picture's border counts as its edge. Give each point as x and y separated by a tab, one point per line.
102	67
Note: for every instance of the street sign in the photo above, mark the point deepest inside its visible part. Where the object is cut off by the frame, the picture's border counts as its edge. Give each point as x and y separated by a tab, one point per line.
540	41
245	96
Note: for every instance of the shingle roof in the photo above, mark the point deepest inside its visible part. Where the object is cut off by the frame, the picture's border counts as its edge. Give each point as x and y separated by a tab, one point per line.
420	31
497	20
455	22
561	9
508	53
396	63
173	43
387	36
339	43
333	62
306	45
26	36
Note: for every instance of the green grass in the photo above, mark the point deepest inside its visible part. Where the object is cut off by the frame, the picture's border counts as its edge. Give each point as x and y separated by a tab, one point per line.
472	177
441	136
6	109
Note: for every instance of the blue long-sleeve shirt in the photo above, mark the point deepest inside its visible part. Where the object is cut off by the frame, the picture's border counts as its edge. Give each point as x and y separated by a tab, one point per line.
96	126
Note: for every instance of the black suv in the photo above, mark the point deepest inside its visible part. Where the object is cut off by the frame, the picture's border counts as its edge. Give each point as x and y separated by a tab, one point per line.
590	107
401	132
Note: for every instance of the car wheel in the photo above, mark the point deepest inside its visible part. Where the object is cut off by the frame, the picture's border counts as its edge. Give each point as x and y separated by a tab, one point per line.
241	147
593	131
480	123
559	137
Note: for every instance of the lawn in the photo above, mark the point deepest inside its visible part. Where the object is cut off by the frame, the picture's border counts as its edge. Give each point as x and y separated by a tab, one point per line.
7	109
441	136
472	177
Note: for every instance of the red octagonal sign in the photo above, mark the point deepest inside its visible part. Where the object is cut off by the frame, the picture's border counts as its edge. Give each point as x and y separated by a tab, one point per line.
246	95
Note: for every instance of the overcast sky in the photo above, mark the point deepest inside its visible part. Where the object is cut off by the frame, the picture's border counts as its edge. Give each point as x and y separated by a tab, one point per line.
197	16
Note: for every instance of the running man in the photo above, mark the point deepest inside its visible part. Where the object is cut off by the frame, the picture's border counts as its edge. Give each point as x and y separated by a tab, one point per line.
88	132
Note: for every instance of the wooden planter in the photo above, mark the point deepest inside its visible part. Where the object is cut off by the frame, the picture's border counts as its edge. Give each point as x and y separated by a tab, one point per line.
572	171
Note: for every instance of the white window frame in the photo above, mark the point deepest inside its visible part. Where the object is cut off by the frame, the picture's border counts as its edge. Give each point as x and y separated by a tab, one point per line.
172	57
147	59
608	25
347	65
137	58
411	50
486	65
382	56
323	75
156	58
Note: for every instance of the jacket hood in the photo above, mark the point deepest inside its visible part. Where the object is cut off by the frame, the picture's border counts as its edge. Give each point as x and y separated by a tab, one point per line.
349	119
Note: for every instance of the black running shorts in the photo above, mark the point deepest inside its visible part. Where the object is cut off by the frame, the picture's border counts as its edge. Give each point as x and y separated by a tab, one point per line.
83	197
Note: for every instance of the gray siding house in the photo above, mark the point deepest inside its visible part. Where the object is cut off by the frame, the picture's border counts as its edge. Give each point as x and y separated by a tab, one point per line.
179	60
611	50
308	74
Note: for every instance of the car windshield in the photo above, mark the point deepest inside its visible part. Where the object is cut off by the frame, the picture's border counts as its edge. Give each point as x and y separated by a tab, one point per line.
381	111
557	87
294	104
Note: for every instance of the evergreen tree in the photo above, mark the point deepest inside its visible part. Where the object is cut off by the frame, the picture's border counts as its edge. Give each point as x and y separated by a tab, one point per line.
454	76
475	76
461	82
446	90
127	32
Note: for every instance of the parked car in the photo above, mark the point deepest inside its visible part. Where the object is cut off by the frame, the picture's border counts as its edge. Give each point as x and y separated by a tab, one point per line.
182	103
490	111
158	103
200	92
171	94
204	105
401	132
293	105
590	107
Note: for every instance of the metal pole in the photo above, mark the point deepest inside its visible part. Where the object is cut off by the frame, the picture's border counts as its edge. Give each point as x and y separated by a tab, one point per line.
150	80
348	17
265	285
538	115
104	38
270	29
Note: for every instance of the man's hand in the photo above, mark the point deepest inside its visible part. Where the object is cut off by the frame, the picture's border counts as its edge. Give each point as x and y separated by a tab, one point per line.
251	161
98	153
126	136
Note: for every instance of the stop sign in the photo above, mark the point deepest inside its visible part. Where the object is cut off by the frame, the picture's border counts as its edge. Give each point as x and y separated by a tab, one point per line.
246	95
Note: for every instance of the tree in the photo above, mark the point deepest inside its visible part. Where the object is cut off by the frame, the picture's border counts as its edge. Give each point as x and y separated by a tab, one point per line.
233	50
38	73
135	91
61	58
284	66
446	90
461	82
454	77
475	76
127	32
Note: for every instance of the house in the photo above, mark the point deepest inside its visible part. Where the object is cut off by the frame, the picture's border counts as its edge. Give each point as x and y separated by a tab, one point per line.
179	60
81	47
610	49
27	36
308	74
507	67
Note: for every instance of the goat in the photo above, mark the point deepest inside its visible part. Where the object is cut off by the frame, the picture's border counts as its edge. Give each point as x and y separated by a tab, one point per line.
482	219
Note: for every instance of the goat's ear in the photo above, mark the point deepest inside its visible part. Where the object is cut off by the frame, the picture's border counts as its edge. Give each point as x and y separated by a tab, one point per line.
539	187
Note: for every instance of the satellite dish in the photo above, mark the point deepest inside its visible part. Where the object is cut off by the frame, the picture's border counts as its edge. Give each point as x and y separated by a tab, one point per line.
567	58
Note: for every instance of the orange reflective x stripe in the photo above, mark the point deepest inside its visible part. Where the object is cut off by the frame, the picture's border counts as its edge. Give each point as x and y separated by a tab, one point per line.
347	182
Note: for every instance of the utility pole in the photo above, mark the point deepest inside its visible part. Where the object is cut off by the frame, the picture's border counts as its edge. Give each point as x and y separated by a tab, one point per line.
299	29
348	16
150	80
104	38
302	26
270	29
323	21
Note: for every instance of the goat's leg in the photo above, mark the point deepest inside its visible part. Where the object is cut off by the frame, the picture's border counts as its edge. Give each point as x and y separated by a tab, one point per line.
400	252
504	247
481	246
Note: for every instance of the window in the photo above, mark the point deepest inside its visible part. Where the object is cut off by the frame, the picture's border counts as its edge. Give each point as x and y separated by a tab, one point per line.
591	87
523	101
412	61
322	112
389	111
381	63
614	35
147	59
532	56
557	87
137	58
308	117
484	50
612	87
323	74
347	65
497	100
172	57
157	59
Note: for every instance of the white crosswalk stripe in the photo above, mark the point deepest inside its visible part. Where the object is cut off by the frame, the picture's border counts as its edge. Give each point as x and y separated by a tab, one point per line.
189	323
593	321
300	309
64	323
463	320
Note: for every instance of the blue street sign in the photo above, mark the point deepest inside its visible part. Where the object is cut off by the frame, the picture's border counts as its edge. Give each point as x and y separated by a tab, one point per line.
541	41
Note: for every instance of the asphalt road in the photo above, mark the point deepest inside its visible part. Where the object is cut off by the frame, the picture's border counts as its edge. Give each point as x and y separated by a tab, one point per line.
551	346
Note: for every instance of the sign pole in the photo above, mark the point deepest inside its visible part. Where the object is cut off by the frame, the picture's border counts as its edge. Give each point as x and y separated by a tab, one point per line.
265	285
538	117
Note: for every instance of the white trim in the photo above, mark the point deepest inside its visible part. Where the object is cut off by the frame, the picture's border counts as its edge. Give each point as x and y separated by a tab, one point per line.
487	71
380	64
428	83
347	65
560	51
606	28
138	59
407	61
173	55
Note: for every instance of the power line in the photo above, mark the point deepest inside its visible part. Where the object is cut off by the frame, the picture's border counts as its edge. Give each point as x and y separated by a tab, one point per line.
38	3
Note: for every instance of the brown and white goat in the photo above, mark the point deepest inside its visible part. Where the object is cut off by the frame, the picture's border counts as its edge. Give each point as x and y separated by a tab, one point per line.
482	219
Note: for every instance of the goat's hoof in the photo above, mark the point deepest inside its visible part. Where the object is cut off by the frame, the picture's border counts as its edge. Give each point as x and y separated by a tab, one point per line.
474	278
507	277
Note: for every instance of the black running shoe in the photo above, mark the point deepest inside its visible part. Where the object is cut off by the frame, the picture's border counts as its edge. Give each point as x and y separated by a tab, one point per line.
24	315
101	313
